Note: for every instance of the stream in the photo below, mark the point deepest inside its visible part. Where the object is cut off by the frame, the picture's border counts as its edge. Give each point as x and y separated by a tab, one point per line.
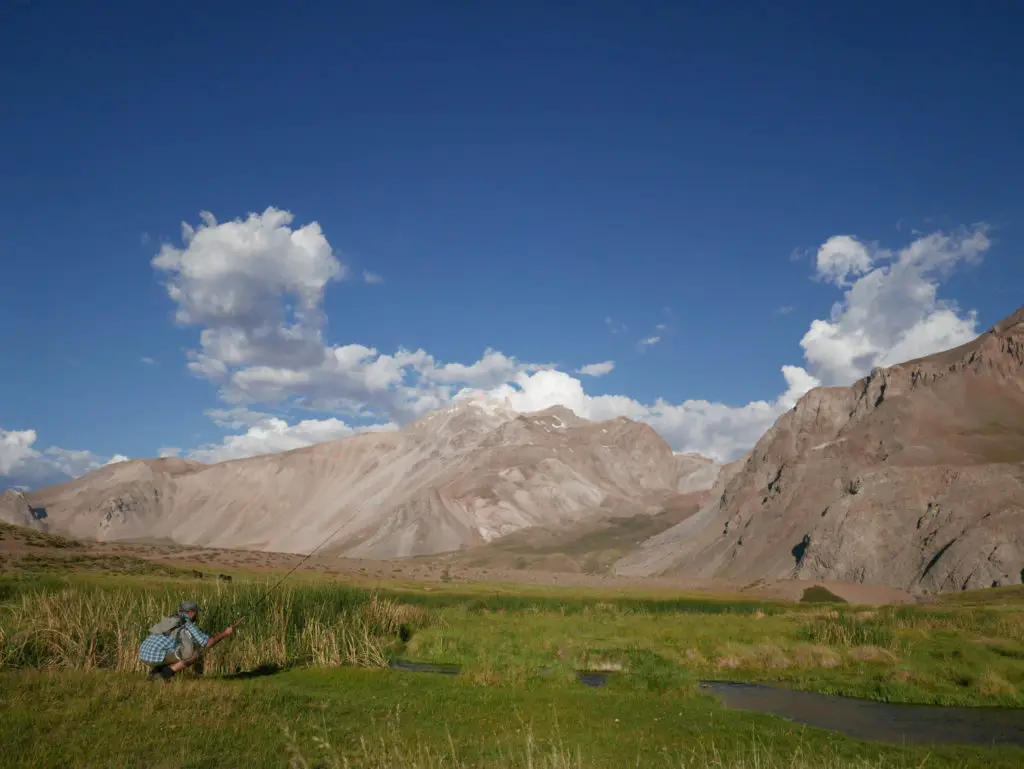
881	721
858	718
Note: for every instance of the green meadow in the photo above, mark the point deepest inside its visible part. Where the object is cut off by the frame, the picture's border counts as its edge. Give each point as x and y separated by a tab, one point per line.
305	681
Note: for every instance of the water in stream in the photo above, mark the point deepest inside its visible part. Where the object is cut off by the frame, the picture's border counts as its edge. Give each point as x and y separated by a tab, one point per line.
424	667
881	721
857	718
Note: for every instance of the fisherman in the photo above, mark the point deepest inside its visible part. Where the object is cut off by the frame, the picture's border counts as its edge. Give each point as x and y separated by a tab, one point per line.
177	642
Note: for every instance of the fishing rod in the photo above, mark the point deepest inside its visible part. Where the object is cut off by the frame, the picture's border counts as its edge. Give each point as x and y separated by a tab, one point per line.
295	568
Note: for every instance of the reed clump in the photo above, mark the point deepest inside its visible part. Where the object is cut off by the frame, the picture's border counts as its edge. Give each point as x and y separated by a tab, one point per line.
90	627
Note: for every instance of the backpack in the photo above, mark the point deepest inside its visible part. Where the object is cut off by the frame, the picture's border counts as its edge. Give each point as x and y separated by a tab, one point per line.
174	627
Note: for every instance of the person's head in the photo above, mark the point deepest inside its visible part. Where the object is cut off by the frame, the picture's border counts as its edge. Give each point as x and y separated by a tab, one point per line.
189	609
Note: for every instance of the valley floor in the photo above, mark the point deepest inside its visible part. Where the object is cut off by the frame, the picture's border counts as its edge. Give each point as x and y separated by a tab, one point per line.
363	718
305	681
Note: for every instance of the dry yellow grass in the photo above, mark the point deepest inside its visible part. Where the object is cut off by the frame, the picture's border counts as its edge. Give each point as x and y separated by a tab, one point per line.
871	653
86	629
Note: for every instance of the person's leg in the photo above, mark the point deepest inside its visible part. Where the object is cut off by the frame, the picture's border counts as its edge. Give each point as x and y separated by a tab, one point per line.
171	665
180	664
161	671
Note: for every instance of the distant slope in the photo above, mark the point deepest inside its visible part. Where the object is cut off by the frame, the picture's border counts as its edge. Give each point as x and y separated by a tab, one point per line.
590	546
911	478
460	477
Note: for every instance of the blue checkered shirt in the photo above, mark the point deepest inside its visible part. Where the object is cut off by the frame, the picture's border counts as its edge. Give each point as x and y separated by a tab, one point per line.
155	647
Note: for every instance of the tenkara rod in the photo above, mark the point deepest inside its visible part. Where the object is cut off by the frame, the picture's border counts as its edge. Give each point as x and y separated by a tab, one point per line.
305	558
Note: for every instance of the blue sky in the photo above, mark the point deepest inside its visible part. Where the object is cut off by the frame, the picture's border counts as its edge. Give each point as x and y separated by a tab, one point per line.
550	181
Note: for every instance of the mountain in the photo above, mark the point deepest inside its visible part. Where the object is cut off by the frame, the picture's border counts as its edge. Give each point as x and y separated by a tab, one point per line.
911	478
15	509
460	477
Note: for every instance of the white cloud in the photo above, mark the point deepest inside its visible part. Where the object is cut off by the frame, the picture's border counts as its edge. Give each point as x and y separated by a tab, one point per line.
72	462
490	371
597	369
891	312
236	418
785	310
256	286
268	434
148	361
117	458
712	429
841	257
168	451
24	466
372	277
15	448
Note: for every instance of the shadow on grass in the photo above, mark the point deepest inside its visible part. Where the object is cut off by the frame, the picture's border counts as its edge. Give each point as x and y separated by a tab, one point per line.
262	671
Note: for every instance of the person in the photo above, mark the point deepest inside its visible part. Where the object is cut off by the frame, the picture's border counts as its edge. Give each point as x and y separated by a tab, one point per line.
177	642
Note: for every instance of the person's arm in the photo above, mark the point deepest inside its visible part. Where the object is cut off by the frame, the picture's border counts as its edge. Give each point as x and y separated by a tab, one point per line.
205	640
213	640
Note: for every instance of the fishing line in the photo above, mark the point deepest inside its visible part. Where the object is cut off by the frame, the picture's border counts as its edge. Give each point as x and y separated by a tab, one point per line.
296	567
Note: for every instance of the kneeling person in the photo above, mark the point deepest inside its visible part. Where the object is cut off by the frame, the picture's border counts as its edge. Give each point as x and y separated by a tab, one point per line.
177	642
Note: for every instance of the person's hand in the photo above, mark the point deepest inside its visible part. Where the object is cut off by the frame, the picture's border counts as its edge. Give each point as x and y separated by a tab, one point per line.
229	630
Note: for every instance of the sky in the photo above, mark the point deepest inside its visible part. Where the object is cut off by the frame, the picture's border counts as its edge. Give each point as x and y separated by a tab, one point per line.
246	228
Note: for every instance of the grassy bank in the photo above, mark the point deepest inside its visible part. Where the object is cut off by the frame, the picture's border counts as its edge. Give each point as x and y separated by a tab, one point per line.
71	687
376	719
967	655
950	653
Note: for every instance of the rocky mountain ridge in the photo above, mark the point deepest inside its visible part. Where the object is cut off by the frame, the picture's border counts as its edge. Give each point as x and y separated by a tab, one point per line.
913	477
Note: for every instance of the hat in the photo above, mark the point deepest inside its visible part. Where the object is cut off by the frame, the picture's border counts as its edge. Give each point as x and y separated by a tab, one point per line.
189	606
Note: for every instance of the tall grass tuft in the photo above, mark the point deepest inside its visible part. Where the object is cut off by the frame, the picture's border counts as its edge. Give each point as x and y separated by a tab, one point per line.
88	626
843	630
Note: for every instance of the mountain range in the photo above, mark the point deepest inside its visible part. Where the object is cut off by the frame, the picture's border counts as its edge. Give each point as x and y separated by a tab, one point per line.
912	478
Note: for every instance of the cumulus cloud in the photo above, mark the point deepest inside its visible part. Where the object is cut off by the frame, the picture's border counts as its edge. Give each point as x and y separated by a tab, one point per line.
372	277
15	448
255	288
890	310
597	369
268	434
841	257
168	451
24	466
116	459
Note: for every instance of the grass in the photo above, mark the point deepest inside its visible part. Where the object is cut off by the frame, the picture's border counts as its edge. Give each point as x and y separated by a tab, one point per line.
365	718
34	538
86	625
68	667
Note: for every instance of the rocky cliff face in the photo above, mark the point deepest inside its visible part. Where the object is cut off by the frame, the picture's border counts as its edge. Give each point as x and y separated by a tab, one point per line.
462	476
911	478
15	508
